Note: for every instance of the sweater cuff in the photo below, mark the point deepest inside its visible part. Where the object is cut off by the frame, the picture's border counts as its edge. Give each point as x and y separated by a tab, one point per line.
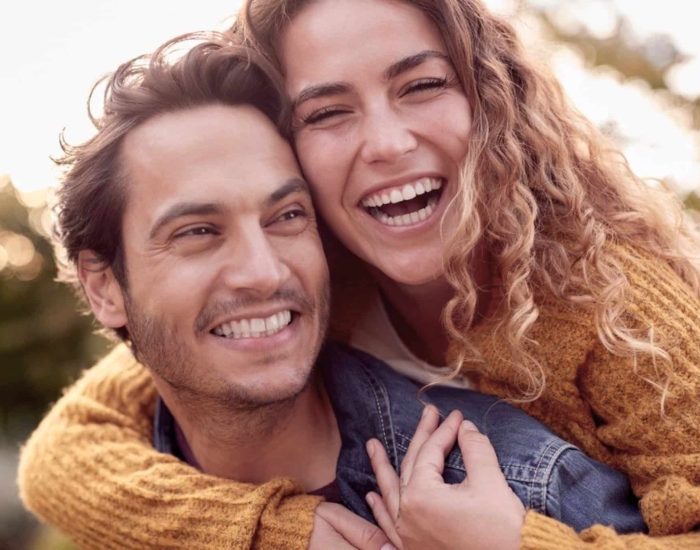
276	531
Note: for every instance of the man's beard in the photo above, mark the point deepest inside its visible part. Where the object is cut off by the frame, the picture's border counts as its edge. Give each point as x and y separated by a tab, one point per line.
156	344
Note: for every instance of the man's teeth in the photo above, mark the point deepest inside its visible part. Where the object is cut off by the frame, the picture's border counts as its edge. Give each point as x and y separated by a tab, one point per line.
407	219
403	193
255	328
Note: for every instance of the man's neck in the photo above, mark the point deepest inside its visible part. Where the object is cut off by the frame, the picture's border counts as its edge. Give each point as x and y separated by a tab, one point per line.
298	438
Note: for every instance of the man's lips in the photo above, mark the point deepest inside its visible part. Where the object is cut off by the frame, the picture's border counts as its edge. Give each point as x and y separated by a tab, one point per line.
254	327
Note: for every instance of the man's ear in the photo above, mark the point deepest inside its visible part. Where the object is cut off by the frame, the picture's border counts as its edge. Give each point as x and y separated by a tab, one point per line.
103	291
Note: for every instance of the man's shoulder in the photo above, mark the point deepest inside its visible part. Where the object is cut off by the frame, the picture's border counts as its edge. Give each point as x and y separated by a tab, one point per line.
527	449
345	366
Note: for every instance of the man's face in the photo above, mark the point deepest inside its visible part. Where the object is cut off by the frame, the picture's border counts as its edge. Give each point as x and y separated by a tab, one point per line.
227	293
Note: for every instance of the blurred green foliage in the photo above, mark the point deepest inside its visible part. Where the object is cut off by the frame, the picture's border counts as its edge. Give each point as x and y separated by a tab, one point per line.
44	340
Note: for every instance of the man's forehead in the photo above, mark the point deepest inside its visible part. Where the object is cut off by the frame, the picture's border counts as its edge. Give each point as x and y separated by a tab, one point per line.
225	131
213	154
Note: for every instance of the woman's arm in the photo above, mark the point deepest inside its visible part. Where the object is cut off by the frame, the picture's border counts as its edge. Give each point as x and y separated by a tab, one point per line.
657	448
421	511
90	470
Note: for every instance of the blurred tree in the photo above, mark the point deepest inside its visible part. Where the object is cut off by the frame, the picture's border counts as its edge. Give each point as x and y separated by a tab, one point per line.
649	59
44	341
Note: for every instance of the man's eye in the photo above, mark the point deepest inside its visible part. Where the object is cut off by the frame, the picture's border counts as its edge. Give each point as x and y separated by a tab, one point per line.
290	215
291	221
198	231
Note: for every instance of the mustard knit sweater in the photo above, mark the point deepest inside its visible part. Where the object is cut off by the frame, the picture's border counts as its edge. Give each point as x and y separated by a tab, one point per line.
90	469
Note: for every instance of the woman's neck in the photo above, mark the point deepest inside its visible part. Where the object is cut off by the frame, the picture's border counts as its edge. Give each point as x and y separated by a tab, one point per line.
415	311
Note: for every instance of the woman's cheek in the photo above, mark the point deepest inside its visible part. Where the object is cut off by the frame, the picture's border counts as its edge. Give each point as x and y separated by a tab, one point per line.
323	164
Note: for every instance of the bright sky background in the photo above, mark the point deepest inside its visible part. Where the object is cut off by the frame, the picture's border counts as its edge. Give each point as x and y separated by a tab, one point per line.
52	52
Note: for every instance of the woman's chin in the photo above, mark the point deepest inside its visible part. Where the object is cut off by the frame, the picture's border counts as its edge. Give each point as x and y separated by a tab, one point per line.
412	274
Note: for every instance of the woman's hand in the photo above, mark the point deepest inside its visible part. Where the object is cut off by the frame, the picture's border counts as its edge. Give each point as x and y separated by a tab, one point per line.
337	527
422	511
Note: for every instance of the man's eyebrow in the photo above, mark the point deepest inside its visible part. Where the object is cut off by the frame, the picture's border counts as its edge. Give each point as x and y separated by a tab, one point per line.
292	185
320	90
408	63
182	209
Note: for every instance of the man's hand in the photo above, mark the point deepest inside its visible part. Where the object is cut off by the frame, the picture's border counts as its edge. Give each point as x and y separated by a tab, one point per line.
337	527
422	511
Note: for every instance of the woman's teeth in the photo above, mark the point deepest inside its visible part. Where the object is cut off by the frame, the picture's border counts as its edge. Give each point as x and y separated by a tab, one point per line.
404	193
255	328
400	206
407	219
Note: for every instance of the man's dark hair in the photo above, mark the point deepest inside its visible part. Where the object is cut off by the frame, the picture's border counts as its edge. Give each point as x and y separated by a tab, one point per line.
92	194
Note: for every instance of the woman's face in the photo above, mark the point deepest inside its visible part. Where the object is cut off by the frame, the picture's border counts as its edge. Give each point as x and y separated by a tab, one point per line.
381	128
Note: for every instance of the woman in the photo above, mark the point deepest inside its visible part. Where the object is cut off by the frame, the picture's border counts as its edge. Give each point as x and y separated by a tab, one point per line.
426	133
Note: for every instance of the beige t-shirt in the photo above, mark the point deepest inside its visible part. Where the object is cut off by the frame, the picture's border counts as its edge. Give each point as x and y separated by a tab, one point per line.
375	335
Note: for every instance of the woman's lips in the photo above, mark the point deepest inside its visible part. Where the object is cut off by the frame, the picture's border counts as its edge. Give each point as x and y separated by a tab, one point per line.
406	204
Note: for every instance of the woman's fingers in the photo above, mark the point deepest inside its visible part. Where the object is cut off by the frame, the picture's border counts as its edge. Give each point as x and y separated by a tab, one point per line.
384	519
479	457
430	459
426	426
336	524
387	478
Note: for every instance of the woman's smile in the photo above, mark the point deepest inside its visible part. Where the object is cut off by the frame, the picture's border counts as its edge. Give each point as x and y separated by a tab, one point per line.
405	204
381	129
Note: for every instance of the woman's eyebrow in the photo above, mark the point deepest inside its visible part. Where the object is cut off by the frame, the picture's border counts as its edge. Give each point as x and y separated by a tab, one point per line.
320	90
411	61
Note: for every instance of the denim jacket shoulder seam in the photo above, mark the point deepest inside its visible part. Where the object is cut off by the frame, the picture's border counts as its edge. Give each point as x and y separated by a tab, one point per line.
379	394
549	459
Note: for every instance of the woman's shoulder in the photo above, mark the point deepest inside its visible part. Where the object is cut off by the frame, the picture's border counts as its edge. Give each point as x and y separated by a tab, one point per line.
652	289
655	293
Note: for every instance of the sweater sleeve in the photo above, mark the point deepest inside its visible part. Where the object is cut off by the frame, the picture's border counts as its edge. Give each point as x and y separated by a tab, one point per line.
657	446
90	470
540	532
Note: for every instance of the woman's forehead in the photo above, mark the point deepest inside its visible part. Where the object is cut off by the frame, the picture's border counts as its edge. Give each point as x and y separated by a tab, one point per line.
334	40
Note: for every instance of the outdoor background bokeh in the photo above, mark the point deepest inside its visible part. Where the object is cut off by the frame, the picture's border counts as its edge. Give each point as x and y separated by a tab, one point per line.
634	72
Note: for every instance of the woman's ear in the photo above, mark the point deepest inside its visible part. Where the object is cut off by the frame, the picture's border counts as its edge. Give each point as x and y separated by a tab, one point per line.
103	291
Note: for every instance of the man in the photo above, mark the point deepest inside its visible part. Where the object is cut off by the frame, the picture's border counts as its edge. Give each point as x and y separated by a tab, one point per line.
194	238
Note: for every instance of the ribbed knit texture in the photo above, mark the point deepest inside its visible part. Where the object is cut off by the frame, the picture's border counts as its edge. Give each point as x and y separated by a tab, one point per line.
597	401
90	469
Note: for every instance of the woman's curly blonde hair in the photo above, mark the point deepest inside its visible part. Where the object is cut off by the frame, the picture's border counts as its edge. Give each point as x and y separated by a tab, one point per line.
542	189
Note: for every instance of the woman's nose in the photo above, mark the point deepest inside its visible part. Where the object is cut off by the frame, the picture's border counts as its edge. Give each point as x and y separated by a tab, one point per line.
386	136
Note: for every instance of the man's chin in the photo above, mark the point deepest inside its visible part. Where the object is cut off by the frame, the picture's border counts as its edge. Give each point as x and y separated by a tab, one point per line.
268	393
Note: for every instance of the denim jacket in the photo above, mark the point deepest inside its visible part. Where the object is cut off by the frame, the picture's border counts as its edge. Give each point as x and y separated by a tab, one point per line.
370	400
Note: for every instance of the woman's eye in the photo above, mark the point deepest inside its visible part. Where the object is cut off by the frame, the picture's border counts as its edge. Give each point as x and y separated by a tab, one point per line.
425	84
322	115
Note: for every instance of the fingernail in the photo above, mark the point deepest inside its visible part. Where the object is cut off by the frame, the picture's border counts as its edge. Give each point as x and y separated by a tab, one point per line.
388	546
369	497
468	426
370	448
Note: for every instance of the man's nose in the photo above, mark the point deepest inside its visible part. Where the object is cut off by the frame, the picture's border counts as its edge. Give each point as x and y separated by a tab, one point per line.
386	136
255	265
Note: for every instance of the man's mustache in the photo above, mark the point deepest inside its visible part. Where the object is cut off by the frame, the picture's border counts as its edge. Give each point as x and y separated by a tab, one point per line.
297	300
